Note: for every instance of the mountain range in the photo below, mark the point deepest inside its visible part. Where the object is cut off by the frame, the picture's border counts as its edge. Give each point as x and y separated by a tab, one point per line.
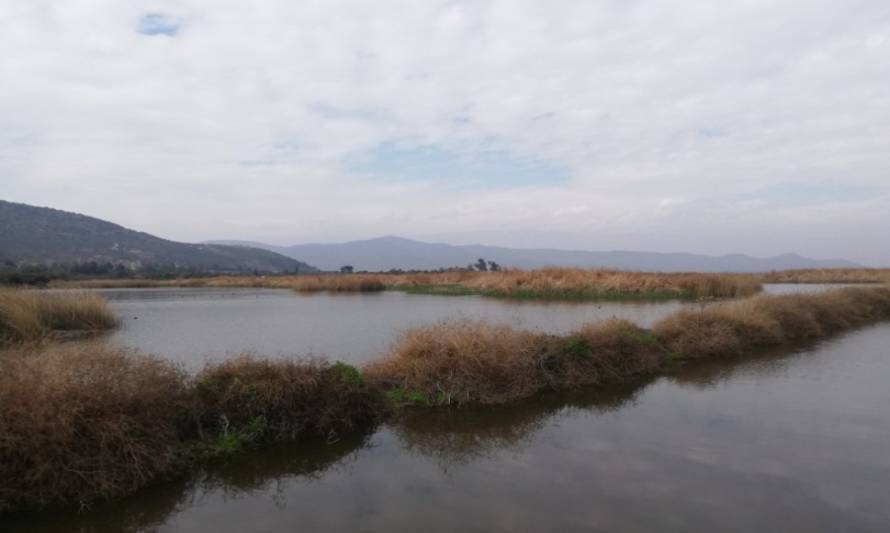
390	252
45	236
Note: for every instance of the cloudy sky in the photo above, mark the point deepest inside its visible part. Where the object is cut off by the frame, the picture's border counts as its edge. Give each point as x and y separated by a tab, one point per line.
757	127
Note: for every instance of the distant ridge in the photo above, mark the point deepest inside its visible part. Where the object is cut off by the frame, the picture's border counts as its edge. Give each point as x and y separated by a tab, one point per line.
391	252
45	236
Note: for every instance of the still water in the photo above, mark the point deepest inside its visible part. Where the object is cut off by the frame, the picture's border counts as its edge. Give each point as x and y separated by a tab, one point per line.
794	443
194	325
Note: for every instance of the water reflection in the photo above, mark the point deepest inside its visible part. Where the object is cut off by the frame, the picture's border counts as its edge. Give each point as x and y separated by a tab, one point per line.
456	437
777	442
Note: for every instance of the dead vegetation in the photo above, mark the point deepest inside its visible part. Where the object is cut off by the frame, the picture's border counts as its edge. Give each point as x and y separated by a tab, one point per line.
28	315
544	283
475	362
81	421
770	321
829	275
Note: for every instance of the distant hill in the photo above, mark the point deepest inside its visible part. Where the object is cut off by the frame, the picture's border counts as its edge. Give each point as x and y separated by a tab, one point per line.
385	253
40	235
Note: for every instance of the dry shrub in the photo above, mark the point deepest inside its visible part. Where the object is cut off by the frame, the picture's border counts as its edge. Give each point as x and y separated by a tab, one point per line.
770	321
285	397
84	421
474	362
462	362
613	351
28	315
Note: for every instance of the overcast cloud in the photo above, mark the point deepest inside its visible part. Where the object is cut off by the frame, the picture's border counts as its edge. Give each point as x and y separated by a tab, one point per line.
758	127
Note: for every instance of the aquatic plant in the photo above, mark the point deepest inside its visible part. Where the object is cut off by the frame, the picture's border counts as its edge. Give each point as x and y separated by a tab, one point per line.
29	315
828	275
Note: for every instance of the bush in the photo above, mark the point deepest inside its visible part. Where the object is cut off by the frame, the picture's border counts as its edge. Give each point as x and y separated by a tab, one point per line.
80	422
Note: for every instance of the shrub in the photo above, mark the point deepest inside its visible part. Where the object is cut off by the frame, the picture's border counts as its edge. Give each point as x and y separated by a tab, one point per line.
84	421
289	396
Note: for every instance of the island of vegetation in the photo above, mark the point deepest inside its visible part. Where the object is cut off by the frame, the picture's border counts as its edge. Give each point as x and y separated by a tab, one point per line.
81	421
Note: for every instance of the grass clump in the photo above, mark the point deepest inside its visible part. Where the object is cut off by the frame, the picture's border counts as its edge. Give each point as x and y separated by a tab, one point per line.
291	397
27	315
82	421
770	321
477	363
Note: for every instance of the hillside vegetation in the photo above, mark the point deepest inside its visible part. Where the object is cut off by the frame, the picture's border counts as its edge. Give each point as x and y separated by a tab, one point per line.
43	236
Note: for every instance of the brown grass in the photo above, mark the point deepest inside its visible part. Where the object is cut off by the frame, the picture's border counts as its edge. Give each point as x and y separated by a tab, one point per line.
570	282
829	275
27	315
475	362
285	397
545	283
80	422
770	321
84	421
339	283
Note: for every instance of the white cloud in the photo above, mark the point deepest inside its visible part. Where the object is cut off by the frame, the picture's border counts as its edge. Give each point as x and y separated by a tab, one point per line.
671	118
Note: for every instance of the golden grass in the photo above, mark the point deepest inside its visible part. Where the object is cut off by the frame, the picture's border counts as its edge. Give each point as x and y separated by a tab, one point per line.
27	315
545	283
769	321
829	275
475	362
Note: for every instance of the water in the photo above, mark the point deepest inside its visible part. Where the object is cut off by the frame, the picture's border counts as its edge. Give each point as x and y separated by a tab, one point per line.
793	443
194	325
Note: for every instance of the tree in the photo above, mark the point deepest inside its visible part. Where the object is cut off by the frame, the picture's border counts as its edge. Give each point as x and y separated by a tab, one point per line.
493	267
481	265
347	269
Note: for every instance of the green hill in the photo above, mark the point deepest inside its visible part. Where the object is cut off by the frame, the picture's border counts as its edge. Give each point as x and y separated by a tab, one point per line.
32	235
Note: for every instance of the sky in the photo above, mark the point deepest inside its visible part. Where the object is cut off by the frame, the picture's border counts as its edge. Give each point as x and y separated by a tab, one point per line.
756	127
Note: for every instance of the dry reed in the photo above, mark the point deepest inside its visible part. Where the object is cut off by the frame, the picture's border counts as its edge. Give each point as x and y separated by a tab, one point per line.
82	421
27	315
828	275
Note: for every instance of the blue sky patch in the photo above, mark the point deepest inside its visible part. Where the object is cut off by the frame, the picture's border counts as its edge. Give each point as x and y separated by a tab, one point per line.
487	168
158	24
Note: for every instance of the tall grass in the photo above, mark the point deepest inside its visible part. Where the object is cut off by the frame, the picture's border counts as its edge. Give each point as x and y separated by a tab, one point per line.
770	321
27	315
829	275
474	362
544	283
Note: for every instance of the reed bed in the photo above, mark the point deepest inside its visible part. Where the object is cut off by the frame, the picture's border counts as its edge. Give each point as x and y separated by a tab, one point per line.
829	275
85	421
475	362
766	322
545	283
27	315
